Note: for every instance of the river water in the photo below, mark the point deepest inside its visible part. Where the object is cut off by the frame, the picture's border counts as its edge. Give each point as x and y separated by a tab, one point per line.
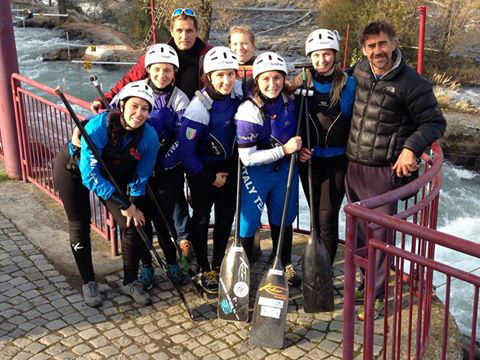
459	212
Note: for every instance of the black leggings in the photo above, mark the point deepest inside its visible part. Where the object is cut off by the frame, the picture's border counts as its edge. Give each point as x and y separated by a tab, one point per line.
328	190
75	198
165	187
203	198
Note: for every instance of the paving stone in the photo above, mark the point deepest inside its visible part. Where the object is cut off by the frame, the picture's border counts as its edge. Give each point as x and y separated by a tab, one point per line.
108	351
34	348
22	356
56	324
112	334
232	339
50	339
335	336
56	349
151	348
99	342
226	354
73	318
275	357
328	346
40	357
256	354
68	331
134	332
88	334
315	336
72	341
189	356
201	351
161	356
293	352
318	354
22	343
131	350
52	315
17	320
122	342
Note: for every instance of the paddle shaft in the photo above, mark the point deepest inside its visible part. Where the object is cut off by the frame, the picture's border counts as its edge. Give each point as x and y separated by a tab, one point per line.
293	159
310	184
104	167
95	83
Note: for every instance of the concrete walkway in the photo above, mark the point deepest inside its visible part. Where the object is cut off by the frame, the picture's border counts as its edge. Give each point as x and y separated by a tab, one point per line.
42	316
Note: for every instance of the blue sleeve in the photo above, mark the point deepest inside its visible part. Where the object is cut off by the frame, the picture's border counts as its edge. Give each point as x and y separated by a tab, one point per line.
147	149
189	135
247	133
347	97
89	167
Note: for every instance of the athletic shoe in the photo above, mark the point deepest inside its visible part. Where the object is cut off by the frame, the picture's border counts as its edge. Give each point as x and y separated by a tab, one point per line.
359	294
136	291
209	281
179	276
91	294
146	277
377	309
292	276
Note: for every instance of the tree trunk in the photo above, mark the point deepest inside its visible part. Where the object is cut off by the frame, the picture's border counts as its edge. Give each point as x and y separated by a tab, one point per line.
62	6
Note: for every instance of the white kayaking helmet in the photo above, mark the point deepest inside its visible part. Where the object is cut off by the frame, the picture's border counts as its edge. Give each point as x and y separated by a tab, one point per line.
219	58
269	61
161	53
322	39
138	89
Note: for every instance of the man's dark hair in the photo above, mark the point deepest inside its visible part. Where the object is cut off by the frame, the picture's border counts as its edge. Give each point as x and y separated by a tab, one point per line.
375	28
184	17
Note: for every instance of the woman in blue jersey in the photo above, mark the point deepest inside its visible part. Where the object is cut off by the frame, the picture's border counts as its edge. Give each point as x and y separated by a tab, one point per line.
129	148
266	125
206	148
330	110
161	62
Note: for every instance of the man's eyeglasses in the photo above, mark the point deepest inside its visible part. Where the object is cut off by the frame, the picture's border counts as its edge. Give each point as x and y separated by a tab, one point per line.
186	11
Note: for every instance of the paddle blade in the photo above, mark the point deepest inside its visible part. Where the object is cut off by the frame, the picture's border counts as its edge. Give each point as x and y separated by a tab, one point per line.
317	276
234	285
270	313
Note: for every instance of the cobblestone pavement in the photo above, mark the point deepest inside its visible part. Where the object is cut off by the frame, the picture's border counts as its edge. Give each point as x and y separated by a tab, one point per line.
42	316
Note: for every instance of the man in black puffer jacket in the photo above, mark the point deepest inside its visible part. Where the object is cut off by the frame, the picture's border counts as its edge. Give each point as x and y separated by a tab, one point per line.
395	117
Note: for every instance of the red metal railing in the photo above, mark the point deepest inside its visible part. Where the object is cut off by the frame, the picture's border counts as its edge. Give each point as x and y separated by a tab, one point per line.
411	241
43	128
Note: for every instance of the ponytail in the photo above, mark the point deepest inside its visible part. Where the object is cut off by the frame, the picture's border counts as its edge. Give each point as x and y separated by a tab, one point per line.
115	128
339	80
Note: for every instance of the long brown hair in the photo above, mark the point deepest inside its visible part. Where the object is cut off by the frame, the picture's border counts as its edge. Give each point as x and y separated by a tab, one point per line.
116	131
339	80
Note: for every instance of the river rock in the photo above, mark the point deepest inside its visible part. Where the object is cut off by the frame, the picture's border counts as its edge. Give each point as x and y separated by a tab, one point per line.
461	141
62	54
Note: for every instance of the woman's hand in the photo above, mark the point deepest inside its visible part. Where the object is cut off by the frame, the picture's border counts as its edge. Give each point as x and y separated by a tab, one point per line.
297	81
220	179
76	137
96	106
292	145
135	215
305	154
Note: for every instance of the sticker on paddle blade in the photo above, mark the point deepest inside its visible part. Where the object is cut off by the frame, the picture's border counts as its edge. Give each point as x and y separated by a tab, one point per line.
276	291
240	289
271	312
226	306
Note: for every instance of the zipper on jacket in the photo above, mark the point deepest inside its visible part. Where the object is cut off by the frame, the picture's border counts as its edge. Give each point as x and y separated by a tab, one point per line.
330	127
316	128
364	111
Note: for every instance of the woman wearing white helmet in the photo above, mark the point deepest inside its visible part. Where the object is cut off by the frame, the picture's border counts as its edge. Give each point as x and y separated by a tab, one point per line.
206	148
129	148
161	63
330	110
266	125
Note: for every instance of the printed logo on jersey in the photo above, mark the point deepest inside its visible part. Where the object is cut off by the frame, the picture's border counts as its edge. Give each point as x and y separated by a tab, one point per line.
190	133
250	137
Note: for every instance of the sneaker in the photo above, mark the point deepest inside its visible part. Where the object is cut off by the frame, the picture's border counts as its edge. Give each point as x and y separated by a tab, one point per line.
209	281
146	277
377	309
293	278
359	294
180	277
91	294
136	291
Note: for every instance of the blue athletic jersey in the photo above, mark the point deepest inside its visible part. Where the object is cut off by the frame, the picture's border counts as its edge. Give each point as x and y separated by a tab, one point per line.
92	178
205	135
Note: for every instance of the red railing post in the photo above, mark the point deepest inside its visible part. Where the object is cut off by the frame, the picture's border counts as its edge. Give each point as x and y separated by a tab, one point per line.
349	286
8	66
421	37
152	15
346	48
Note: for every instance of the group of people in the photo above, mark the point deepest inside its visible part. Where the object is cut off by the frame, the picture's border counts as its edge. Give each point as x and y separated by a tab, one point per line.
187	108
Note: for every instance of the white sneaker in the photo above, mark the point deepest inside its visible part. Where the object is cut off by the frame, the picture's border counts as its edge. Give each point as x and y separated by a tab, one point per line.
91	294
136	291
